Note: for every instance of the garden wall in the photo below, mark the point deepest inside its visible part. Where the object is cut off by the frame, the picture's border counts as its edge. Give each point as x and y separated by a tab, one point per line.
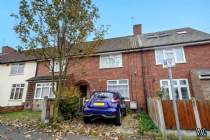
11	109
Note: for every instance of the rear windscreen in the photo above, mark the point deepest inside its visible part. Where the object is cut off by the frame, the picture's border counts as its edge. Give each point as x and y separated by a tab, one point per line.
106	95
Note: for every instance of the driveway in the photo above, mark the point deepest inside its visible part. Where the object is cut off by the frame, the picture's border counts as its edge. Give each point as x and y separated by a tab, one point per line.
9	133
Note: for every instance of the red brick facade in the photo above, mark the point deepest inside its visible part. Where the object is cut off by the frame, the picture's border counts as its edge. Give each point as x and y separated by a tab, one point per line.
87	70
197	57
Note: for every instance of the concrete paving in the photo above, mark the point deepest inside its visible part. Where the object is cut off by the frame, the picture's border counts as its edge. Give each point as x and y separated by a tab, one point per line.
9	133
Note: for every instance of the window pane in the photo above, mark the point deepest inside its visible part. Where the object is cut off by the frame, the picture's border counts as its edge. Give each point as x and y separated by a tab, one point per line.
164	83
184	93
14	68
122	89
45	92
17	93
110	61
169	54
176	93
21	68
174	82
179	55
123	81
159	57
20	94
166	92
183	82
38	92
12	93
112	82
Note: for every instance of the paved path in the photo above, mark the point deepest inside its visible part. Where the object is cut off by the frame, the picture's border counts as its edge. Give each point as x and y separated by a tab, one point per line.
8	133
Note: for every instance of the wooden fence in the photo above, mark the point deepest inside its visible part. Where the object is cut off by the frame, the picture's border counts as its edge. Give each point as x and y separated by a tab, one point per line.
192	113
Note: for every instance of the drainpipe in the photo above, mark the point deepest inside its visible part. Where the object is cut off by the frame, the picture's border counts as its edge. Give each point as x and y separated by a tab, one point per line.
143	73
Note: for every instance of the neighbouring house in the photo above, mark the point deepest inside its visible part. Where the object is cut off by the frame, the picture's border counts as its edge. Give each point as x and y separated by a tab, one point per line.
15	69
133	66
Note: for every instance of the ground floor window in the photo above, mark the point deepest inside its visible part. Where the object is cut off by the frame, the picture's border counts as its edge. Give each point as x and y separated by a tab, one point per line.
17	91
120	86
181	88
42	90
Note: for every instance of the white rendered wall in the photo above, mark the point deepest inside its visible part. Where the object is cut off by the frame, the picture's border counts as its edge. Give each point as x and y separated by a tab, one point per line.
6	81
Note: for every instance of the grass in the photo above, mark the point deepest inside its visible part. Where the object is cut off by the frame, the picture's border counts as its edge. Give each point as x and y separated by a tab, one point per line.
21	115
146	124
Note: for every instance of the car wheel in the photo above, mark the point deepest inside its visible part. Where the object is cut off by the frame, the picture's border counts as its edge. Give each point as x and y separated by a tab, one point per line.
86	120
119	118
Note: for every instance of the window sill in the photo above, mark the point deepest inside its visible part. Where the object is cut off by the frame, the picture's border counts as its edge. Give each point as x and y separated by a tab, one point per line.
16	74
175	63
12	100
42	98
112	67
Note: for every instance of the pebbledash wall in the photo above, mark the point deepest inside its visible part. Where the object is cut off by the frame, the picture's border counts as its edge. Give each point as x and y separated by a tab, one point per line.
6	81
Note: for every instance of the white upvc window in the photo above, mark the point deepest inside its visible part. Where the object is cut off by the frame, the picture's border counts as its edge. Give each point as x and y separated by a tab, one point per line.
111	61
42	90
17	68
121	86
181	88
57	65
17	91
175	53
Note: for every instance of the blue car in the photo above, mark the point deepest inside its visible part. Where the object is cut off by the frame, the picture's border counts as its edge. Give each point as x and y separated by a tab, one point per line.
104	104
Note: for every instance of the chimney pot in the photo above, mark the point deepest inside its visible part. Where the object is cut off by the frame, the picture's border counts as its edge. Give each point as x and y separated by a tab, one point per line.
137	30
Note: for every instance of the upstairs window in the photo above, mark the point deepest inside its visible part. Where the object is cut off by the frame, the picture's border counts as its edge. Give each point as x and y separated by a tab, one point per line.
111	61
181	88
56	65
175	53
17	69
17	91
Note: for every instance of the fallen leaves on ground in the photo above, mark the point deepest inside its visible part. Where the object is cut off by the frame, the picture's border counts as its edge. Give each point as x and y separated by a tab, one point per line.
97	130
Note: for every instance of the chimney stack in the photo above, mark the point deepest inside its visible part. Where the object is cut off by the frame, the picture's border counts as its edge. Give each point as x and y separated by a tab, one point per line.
137	29
7	49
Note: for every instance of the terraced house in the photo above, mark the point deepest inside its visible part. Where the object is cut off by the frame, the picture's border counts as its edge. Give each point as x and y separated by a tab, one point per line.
133	66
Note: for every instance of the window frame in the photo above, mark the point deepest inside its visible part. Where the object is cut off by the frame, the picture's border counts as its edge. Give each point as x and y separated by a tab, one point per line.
13	99
174	53
177	86
50	87
110	55
117	81
18	67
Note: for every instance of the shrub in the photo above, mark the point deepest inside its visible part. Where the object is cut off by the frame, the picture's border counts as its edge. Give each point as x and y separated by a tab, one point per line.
146	124
69	103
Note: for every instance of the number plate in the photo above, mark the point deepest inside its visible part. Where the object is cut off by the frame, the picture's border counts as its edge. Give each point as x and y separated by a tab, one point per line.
98	104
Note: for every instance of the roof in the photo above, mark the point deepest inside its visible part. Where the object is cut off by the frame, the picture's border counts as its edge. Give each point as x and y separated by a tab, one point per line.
42	78
15	57
155	39
148	40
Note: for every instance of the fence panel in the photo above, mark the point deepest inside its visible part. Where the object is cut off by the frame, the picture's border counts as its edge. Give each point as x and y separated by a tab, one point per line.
204	113
185	112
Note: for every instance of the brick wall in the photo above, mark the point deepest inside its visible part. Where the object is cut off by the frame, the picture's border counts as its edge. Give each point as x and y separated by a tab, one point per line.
10	109
87	69
196	57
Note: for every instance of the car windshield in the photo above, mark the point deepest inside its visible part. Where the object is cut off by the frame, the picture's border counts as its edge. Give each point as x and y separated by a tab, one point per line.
105	95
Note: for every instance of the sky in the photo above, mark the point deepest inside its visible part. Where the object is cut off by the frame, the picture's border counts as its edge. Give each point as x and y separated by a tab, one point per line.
121	15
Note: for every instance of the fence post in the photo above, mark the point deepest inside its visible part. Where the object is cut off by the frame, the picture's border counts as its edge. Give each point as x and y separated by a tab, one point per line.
161	117
197	116
45	113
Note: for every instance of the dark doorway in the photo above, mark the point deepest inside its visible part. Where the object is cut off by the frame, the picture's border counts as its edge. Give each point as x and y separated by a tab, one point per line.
83	90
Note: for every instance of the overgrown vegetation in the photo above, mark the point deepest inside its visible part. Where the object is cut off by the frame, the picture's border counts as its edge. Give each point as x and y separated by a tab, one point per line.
69	103
146	124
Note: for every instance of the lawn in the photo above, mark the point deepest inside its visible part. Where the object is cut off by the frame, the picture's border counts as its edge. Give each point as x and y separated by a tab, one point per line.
21	115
